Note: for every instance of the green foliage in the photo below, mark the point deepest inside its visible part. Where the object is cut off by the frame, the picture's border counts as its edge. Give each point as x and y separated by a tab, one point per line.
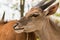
57	14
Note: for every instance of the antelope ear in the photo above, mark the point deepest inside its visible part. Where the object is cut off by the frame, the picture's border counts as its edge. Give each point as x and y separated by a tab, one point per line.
52	9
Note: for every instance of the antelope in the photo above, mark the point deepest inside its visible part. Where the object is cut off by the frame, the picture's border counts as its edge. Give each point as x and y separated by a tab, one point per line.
37	20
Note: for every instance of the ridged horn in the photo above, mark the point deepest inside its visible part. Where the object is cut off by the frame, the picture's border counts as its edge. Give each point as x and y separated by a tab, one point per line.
47	4
3	17
40	3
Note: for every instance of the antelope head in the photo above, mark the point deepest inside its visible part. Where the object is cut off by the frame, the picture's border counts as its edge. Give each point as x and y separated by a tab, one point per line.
36	18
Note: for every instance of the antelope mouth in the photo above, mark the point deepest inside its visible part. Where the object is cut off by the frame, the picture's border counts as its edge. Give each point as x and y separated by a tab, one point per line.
18	30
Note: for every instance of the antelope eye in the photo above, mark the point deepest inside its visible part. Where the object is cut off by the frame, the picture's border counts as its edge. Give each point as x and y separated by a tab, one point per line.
35	15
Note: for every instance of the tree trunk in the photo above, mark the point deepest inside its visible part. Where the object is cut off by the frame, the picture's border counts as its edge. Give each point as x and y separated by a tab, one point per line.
22	2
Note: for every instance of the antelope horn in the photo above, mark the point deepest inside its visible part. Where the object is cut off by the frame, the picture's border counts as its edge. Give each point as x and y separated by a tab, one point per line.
41	3
3	17
47	4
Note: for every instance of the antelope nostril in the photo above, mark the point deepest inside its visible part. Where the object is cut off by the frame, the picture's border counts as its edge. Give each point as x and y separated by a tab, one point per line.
15	26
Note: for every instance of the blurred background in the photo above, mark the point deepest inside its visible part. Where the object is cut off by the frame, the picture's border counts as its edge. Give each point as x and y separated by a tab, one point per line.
15	9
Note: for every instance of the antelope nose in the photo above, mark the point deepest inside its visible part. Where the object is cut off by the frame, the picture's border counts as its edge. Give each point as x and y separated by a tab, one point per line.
18	29
15	26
